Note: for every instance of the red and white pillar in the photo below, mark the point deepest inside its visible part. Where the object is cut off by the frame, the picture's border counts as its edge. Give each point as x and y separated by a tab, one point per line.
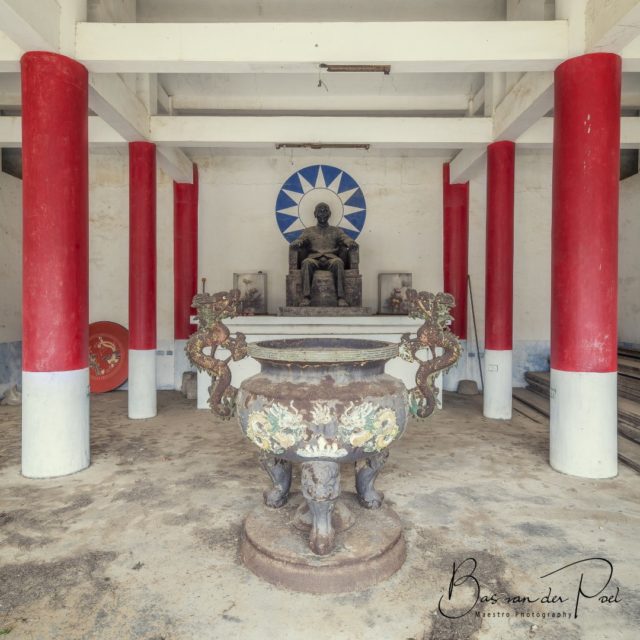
498	326
455	201
142	280
55	284
584	266
185	269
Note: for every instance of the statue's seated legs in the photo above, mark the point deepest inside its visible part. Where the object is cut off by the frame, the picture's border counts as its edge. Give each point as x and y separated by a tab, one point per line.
332	264
322	291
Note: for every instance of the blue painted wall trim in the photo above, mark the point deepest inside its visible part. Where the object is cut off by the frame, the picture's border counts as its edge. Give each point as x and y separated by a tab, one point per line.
528	355
10	364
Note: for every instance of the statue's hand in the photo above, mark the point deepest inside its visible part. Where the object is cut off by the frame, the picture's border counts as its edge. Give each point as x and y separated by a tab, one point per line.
352	245
296	244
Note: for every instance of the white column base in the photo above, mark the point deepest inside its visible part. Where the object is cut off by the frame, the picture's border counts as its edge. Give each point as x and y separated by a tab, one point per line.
142	384
497	398
55	422
180	362
584	423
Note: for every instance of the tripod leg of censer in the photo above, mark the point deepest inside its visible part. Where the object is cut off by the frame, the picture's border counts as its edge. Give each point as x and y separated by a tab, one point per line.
321	487
366	473
279	471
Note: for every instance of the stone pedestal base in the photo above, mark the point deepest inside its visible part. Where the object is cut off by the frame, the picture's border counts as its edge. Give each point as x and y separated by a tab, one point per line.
368	551
314	312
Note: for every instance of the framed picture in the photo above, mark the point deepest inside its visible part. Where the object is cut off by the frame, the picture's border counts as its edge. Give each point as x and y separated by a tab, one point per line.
253	292
392	289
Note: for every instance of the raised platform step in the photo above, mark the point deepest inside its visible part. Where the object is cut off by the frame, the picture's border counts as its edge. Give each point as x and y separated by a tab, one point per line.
533	400
629	452
529	412
628	386
629	353
630	364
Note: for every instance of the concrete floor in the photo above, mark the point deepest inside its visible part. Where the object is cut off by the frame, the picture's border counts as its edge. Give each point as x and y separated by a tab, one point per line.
143	544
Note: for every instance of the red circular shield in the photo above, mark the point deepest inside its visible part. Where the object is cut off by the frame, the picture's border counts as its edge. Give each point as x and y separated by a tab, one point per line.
108	356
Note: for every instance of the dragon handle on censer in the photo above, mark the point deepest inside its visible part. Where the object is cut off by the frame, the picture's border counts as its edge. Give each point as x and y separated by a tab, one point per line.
434	309
213	334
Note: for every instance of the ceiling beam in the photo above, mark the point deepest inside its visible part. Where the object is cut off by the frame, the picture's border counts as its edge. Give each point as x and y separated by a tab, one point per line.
321	103
175	164
631	56
528	101
10	54
594	24
118	106
540	135
473	138
301	47
611	25
223	131
171	160
100	133
465	165
33	25
475	103
165	101
10	91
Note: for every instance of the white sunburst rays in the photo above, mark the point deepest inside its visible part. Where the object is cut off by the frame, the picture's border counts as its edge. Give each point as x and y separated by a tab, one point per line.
321	184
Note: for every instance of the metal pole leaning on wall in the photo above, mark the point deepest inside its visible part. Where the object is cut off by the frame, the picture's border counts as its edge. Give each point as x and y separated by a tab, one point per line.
475	330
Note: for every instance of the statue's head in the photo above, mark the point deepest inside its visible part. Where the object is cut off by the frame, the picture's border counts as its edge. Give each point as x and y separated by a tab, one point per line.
322	213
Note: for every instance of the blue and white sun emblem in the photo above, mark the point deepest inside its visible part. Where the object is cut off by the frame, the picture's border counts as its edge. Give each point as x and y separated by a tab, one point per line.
320	183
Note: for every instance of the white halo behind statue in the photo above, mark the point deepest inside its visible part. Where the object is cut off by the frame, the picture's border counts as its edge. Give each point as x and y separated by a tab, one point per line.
312	199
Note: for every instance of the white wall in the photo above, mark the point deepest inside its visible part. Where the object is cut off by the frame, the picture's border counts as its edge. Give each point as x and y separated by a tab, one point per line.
403	232
109	242
238	230
10	258
532	263
628	263
10	281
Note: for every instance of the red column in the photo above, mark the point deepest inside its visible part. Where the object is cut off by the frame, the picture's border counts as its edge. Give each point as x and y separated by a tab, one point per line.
586	173
584	266
456	248
499	253
55	262
498	326
185	254
142	245
55	269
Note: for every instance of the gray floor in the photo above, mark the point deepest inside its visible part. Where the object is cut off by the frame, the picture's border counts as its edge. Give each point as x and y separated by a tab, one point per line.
143	544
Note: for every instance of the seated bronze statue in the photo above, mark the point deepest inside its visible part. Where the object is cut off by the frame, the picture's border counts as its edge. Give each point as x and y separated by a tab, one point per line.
329	249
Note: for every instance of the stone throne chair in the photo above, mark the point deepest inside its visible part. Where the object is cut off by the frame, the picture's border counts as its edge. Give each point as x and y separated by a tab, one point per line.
323	290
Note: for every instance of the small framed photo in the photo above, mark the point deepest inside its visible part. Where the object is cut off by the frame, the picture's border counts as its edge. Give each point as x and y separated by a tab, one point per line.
392	293
253	292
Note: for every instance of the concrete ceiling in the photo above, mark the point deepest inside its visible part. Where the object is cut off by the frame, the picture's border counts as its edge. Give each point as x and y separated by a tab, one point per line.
229	93
213	73
314	10
322	93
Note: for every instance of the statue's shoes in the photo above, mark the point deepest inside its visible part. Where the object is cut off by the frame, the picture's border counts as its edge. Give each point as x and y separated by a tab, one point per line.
342	302
305	302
